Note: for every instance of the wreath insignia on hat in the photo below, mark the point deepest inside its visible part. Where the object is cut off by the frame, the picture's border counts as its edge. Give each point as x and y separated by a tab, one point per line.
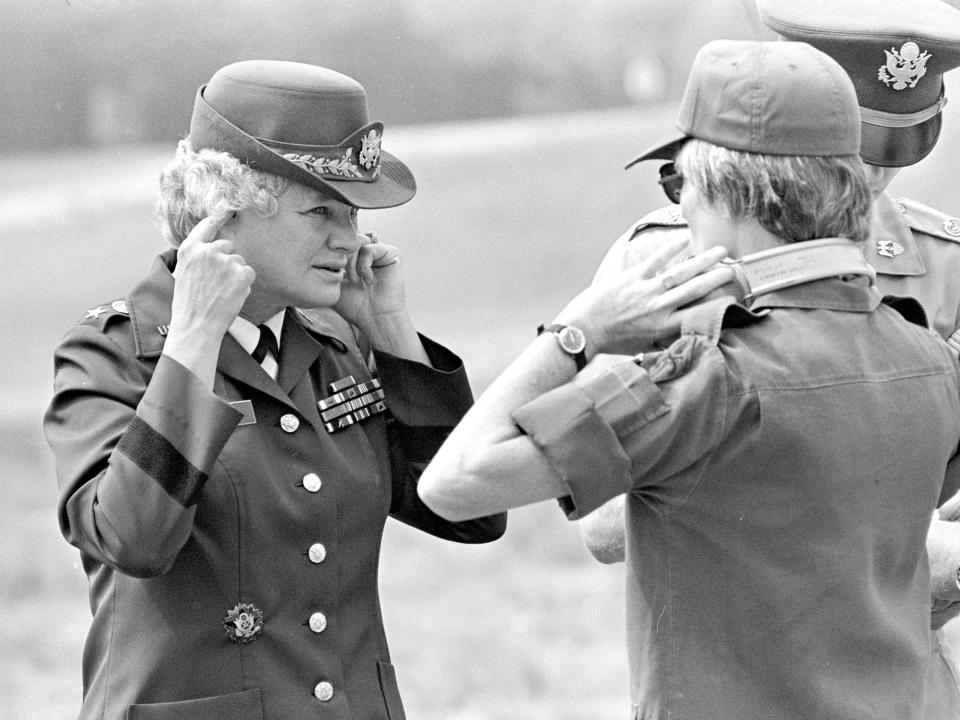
904	68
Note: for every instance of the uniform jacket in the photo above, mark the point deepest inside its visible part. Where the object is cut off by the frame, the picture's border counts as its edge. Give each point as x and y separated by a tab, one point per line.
777	504
231	542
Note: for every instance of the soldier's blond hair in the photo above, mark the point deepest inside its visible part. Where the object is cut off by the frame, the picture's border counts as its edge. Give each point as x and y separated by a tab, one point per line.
794	197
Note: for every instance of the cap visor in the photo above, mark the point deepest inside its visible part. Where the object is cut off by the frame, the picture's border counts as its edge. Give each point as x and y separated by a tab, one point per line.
665	149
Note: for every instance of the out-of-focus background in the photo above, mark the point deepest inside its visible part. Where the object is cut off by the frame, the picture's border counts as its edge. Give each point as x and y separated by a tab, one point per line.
516	118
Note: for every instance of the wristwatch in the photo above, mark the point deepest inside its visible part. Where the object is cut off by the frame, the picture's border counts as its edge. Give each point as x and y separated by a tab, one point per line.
571	340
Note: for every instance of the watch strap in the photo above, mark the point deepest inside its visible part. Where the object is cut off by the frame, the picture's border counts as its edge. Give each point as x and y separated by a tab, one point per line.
580	356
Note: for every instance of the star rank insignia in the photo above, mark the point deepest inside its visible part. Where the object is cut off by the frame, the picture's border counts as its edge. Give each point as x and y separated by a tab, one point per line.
889	248
95	313
351	402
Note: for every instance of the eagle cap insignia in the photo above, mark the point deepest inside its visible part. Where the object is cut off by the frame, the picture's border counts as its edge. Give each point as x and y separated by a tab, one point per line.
904	68
370	149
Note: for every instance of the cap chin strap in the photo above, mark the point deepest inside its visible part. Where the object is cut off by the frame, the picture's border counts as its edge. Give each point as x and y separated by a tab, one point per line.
798	263
902	120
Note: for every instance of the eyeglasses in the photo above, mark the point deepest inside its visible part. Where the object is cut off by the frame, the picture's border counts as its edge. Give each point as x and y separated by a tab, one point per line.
671	181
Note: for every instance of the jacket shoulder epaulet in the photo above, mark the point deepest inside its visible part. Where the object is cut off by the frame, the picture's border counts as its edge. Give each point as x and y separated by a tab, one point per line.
665	217
101	315
929	221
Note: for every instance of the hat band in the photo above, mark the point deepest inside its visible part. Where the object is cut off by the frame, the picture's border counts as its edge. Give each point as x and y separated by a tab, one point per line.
357	158
901	120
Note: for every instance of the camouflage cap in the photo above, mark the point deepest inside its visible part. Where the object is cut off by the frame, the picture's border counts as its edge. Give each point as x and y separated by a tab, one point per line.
895	52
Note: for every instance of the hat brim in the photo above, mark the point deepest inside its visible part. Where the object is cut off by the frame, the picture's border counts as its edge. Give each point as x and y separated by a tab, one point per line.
393	186
900	146
665	149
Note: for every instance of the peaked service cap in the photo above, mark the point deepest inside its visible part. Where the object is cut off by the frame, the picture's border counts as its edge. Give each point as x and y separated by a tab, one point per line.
896	52
305	123
773	98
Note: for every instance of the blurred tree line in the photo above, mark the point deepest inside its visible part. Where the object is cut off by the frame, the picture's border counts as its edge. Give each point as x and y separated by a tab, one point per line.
94	72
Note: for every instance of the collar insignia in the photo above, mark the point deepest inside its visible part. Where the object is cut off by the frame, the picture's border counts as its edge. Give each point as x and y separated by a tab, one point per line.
95	313
889	248
952	227
904	68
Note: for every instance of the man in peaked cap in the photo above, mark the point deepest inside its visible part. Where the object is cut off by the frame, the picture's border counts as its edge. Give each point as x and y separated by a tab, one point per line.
771	572
226	458
896	54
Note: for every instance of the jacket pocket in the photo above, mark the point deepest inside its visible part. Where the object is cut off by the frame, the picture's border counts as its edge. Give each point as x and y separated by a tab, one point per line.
391	693
246	705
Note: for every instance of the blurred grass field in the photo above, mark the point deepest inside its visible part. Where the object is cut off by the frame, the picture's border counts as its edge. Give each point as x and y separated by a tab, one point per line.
510	220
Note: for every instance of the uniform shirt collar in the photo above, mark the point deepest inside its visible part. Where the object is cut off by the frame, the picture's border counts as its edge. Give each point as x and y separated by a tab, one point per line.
851	294
248	334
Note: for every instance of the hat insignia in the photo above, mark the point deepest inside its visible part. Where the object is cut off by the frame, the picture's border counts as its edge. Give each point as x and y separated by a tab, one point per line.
904	68
889	248
370	150
343	162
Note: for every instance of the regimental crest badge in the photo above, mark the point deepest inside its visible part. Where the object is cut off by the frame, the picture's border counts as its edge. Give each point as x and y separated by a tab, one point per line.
244	623
904	68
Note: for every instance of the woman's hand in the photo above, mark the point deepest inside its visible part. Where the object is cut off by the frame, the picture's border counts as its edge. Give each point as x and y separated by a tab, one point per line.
211	283
373	287
372	297
628	311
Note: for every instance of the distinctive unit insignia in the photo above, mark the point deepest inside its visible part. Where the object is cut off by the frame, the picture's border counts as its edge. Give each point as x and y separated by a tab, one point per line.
244	623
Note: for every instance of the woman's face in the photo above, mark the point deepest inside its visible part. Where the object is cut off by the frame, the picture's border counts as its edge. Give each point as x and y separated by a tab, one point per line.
878	178
299	253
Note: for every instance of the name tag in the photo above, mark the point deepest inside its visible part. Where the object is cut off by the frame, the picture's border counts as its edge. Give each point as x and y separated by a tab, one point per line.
245	407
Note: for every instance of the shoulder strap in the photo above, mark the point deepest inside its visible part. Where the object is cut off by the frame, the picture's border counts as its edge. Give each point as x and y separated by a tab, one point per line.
930	221
709	318
668	216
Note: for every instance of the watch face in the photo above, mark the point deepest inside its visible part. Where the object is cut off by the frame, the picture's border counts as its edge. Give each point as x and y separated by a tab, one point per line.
572	340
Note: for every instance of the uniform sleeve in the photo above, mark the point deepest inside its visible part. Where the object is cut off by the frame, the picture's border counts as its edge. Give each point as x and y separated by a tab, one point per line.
622	427
425	404
133	449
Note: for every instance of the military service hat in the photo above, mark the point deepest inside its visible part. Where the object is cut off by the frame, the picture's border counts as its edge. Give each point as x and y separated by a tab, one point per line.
895	52
305	123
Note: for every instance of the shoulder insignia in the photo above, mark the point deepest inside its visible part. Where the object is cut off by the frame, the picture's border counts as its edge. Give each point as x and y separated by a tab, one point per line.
102	313
668	216
929	221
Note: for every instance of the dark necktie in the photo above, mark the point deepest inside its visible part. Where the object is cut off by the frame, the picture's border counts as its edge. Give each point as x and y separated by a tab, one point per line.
266	343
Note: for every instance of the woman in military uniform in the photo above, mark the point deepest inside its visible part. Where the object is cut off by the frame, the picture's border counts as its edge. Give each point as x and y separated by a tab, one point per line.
227	460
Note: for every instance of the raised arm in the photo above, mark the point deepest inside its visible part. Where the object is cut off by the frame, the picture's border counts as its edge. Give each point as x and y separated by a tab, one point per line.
487	464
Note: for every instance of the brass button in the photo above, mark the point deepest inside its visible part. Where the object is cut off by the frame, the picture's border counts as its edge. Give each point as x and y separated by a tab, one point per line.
317	553
323	691
289	423
318	622
312	482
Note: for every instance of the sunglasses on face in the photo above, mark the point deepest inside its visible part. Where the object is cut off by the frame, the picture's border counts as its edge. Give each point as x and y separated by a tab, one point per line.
671	181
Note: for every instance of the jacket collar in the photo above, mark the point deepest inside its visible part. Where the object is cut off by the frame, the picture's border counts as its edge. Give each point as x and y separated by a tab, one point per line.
891	247
854	294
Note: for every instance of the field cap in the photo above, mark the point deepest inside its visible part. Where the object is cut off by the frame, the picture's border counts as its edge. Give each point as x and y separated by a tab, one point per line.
774	98
896	52
302	122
